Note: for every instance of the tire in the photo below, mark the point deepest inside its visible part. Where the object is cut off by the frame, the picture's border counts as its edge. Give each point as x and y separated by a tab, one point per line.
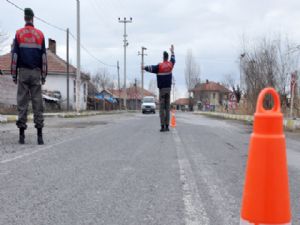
154	112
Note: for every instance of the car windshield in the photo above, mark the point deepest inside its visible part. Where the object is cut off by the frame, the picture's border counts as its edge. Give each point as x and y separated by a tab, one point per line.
148	100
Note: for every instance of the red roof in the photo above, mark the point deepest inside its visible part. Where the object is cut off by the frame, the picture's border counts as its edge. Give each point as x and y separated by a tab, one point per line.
182	101
132	93
56	65
211	86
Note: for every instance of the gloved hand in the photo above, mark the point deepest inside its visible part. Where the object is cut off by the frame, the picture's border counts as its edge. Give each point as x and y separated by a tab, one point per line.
15	79
172	49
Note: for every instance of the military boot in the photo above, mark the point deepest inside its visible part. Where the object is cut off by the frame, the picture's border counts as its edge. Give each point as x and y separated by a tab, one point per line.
40	136
22	136
167	128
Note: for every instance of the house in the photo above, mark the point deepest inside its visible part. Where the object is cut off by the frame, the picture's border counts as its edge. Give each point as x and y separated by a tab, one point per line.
134	96
181	104
103	100
209	96
56	80
8	90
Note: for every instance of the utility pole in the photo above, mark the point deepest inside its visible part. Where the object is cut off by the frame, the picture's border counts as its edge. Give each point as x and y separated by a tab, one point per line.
142	70
119	85
78	59
125	21
135	85
68	73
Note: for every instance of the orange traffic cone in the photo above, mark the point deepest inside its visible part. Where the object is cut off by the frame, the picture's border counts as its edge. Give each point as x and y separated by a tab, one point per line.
266	199
173	120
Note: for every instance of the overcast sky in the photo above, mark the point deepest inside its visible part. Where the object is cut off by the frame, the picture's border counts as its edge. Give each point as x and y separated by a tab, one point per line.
213	29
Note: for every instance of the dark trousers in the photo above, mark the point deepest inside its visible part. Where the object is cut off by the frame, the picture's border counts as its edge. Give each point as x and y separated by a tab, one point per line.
164	103
29	87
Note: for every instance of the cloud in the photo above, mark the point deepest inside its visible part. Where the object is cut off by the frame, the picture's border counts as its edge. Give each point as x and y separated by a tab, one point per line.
213	29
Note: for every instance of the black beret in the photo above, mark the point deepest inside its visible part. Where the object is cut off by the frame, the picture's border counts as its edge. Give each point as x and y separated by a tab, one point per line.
28	12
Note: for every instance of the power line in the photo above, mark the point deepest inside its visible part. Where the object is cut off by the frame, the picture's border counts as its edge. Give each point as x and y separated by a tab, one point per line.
64	30
90	54
38	18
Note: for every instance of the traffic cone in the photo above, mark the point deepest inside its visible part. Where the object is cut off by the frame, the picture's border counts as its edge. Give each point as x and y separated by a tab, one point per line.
173	120
266	199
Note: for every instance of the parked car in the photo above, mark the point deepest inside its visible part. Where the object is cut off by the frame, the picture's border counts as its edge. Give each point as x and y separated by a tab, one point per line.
148	104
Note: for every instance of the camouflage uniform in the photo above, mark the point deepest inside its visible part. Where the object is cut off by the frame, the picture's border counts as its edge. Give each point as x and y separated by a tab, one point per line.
29	71
164	81
164	106
29	87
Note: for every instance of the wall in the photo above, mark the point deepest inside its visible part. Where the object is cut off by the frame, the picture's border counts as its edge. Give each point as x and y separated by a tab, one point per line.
8	91
59	83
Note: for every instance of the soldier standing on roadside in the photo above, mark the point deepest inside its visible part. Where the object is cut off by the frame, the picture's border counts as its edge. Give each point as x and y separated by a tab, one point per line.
164	82
29	71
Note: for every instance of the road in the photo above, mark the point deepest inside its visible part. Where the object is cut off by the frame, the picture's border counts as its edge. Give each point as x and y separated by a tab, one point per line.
120	170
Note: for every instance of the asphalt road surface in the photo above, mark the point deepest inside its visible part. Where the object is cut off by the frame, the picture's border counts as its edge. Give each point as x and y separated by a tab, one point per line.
120	170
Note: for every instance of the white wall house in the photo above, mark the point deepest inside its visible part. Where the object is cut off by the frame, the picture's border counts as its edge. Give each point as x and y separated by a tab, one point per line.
56	80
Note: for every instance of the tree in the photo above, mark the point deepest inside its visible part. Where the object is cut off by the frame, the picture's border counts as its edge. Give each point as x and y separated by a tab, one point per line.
228	81
237	92
267	62
192	74
101	81
191	71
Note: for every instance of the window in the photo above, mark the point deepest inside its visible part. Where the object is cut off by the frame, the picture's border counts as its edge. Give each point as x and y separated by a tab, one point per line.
214	95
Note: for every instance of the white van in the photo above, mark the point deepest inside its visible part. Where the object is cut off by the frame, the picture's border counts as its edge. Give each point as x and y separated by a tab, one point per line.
148	104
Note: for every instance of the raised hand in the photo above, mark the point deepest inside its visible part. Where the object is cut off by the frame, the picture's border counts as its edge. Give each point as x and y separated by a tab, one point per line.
172	49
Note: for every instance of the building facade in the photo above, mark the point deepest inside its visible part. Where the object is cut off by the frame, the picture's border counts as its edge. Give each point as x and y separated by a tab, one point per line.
210	96
56	81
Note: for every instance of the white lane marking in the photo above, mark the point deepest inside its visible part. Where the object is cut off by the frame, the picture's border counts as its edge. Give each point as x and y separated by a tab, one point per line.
195	213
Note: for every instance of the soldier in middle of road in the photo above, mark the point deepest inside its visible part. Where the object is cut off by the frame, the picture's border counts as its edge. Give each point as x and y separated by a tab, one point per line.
164	82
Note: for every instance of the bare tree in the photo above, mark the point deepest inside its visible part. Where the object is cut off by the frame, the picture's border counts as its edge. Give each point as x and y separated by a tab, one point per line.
267	62
101	81
112	84
288	57
228	81
192	73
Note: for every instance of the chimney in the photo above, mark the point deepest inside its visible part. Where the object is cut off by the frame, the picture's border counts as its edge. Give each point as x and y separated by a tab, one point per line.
207	81
52	45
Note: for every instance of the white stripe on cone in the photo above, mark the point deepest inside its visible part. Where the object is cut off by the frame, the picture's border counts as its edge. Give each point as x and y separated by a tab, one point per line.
244	222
